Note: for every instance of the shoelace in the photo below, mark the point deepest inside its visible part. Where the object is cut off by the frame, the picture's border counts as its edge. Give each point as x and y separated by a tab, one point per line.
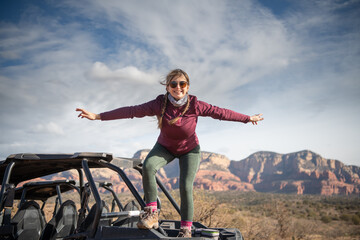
146	214
184	232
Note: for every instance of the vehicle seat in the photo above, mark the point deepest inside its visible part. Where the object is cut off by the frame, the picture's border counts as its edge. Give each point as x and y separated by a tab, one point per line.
63	223
87	223
28	222
128	222
105	222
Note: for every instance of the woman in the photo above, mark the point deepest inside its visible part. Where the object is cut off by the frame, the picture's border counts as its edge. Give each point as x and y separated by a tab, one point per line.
177	114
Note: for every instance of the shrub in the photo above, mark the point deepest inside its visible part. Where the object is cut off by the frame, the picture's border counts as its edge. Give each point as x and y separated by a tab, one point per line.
355	219
326	219
345	217
311	213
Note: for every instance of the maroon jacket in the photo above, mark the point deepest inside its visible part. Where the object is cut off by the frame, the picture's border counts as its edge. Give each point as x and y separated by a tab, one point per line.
180	137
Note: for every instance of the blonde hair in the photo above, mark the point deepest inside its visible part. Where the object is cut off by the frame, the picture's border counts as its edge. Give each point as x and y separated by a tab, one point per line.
166	82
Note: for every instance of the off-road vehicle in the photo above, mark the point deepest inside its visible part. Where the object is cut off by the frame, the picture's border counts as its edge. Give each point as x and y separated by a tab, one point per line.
111	215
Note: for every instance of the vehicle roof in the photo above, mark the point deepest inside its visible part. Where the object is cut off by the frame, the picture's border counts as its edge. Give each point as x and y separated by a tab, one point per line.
44	189
30	165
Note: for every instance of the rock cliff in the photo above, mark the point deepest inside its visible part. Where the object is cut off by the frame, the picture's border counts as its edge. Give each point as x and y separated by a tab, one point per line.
213	174
302	172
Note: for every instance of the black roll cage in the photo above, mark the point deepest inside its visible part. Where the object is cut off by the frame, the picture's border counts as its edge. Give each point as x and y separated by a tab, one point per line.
86	161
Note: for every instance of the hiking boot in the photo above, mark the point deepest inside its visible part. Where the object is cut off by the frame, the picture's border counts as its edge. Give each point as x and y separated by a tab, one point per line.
184	233
148	219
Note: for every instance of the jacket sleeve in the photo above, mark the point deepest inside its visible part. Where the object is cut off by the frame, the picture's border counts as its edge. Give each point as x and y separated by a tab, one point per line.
207	110
151	108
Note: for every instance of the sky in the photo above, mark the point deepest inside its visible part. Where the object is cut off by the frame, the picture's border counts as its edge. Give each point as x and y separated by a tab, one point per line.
297	62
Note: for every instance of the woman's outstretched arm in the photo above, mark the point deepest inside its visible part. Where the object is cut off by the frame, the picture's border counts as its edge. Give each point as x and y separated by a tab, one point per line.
88	115
205	109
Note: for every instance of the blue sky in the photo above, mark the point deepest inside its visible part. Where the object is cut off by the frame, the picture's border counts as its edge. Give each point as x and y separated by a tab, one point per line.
297	62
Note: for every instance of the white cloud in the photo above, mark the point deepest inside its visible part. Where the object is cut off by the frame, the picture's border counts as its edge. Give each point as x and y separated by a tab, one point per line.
51	128
226	44
100	71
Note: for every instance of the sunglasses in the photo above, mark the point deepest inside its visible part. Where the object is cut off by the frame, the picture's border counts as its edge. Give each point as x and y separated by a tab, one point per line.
174	84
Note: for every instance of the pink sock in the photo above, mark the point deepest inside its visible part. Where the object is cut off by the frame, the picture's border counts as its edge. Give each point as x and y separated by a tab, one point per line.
152	205
186	224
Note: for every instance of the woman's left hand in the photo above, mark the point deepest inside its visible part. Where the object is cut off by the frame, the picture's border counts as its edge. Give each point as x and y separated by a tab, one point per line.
255	118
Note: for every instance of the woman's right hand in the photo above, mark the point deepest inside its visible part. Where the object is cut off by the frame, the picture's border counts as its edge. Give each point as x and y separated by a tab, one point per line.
87	114
257	117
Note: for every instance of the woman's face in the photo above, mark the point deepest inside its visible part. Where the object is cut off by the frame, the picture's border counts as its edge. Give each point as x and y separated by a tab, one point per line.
178	91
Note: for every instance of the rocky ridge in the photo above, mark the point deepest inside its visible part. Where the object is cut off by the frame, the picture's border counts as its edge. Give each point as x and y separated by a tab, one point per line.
213	174
302	172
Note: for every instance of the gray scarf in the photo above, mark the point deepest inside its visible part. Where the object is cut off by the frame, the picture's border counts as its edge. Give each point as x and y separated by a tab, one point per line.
180	102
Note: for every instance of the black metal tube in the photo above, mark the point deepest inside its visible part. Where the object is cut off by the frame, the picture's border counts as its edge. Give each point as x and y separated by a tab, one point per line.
78	190
81	178
115	197
126	180
58	191
131	187
43	205
99	205
81	182
23	194
56	206
5	181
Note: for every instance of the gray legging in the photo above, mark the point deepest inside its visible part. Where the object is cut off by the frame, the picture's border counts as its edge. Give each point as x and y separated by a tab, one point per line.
158	157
